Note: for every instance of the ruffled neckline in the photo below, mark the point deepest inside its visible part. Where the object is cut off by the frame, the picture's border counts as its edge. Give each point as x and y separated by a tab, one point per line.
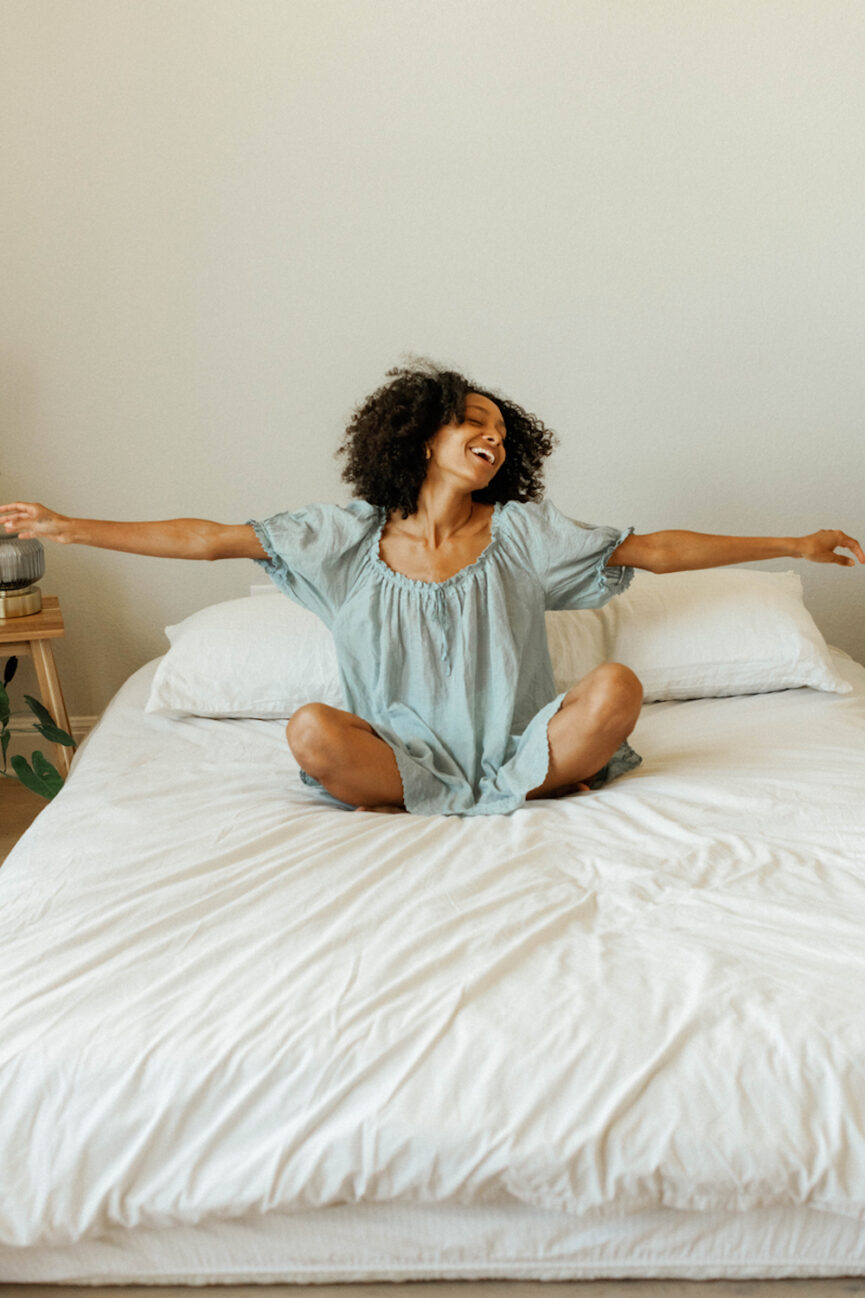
417	583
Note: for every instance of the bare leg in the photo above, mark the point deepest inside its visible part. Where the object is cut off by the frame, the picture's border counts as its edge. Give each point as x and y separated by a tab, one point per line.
596	716
345	754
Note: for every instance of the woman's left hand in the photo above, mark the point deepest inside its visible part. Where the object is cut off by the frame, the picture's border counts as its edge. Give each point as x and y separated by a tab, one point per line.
820	547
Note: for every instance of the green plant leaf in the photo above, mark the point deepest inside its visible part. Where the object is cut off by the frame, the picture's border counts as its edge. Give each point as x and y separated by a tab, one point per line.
47	773
5	709
29	778
10	669
55	735
41	712
4	744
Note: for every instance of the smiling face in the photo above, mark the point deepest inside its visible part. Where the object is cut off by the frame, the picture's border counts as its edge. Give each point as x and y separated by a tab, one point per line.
473	450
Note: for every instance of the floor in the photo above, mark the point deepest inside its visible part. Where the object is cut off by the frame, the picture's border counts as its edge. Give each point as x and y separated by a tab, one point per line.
18	809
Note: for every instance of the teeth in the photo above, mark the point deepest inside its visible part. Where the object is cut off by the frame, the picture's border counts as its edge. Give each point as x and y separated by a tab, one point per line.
484	455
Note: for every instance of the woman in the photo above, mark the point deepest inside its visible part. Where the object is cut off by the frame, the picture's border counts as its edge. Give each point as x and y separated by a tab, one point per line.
434	583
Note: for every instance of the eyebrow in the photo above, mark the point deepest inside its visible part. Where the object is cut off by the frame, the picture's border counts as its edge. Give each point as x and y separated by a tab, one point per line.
472	405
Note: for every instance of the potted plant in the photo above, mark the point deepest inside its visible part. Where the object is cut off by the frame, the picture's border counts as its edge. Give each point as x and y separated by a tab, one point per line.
38	775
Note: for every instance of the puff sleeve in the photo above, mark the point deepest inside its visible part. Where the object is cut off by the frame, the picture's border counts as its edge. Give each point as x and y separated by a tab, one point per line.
570	557
313	552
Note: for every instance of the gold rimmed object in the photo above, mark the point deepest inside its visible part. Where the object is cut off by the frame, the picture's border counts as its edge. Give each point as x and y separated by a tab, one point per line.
20	603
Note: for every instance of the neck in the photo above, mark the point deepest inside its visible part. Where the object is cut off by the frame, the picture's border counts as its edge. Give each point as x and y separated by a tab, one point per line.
441	513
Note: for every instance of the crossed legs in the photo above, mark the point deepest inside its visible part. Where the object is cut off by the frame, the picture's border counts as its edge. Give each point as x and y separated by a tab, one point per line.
345	754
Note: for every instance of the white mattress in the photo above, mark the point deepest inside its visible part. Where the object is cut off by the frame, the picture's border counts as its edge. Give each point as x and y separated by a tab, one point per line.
249	1036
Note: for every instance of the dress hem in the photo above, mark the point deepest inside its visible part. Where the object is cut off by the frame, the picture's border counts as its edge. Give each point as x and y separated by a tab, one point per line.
623	760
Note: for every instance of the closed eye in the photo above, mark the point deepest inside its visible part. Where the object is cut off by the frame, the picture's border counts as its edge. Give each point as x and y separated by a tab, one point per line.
480	424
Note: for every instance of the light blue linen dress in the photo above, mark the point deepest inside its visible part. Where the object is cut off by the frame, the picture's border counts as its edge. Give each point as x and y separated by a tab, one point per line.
455	675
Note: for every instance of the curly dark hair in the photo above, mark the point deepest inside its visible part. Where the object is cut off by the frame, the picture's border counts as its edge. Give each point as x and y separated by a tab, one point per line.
385	441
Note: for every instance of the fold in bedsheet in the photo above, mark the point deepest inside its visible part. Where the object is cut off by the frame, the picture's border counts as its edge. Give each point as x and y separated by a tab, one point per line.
221	997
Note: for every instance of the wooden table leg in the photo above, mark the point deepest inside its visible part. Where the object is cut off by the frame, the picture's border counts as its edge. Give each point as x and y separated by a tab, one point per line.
52	695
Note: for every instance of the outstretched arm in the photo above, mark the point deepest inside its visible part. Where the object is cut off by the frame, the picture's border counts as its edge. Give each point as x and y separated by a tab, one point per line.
677	551
173	538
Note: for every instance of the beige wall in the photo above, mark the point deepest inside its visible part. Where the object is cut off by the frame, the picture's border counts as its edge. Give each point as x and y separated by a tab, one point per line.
223	220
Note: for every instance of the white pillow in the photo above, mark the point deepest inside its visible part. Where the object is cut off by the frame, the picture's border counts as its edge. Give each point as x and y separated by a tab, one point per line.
716	632
687	635
577	642
262	656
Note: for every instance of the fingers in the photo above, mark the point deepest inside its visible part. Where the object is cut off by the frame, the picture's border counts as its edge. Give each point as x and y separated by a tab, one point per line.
26	519
17	511
850	543
836	539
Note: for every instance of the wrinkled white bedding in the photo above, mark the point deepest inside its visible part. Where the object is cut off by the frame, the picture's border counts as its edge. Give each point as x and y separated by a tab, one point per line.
220	996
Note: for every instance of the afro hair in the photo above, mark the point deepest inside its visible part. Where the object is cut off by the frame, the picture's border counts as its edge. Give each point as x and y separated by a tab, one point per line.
385	441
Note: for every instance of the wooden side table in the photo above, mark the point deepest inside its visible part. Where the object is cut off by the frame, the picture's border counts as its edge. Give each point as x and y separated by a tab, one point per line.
32	635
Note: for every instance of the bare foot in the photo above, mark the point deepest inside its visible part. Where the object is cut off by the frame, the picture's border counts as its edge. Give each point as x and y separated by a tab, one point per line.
386	807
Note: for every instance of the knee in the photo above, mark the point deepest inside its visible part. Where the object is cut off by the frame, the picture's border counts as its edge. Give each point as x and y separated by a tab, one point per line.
616	696
308	734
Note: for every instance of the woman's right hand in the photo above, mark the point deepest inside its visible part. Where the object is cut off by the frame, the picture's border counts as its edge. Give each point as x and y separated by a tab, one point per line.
30	521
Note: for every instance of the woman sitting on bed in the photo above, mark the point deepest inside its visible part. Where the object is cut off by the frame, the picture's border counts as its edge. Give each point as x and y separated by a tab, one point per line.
434	583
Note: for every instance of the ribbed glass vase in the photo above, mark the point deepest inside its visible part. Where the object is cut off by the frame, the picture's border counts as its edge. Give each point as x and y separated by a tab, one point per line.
21	562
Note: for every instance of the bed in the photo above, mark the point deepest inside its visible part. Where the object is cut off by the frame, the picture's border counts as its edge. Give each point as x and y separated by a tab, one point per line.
251	1036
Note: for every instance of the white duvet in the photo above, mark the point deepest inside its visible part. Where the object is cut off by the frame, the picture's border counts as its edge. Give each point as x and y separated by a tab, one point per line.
220	996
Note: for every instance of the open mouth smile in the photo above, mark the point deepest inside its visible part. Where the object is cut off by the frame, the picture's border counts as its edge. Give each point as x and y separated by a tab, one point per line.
482	453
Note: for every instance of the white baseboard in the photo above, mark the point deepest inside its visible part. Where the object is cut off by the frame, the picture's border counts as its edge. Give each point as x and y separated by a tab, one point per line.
80	726
21	722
